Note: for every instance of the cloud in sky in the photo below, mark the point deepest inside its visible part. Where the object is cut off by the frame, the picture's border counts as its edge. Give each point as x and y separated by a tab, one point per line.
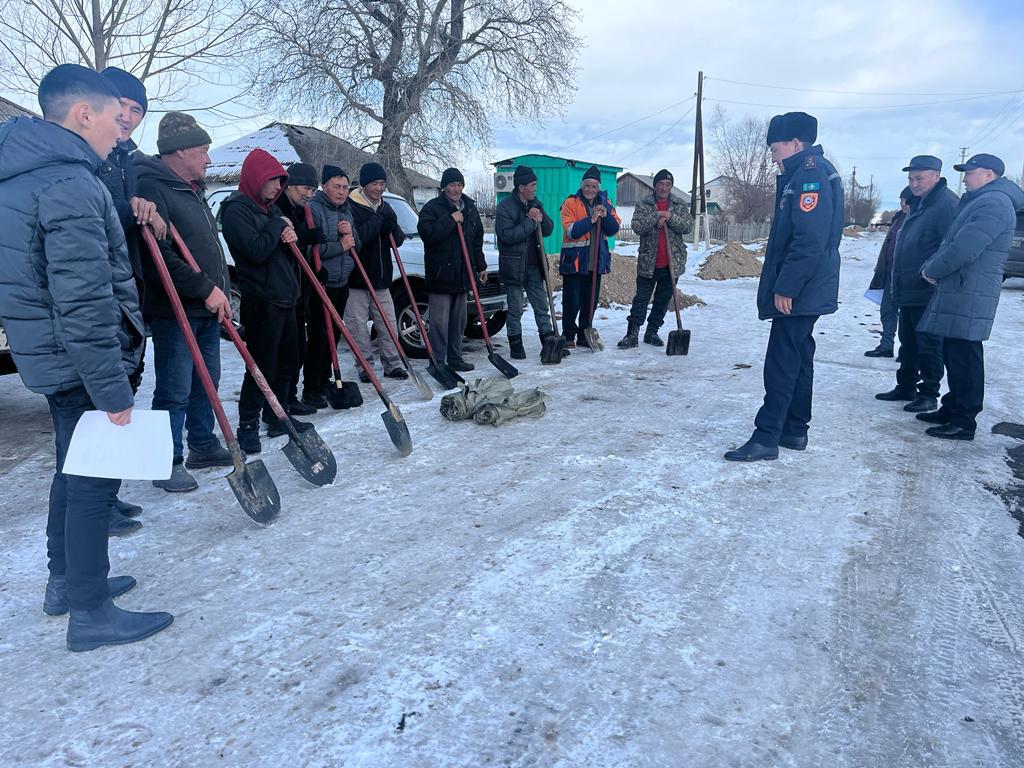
936	59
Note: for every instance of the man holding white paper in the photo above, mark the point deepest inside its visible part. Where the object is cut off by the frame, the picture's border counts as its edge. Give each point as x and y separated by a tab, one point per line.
70	309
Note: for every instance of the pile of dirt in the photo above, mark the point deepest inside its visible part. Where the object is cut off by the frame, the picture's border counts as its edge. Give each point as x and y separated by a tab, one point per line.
618	286
852	231
729	261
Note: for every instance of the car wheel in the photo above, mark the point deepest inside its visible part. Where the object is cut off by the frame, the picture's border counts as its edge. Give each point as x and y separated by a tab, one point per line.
494	325
408	329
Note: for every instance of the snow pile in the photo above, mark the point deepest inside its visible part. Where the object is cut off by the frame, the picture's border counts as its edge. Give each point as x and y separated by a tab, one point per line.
729	261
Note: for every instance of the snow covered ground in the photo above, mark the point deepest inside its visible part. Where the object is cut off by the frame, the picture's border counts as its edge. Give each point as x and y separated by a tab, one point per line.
594	588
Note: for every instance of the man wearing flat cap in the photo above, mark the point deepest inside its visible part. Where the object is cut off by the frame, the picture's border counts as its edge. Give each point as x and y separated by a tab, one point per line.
967	272
799	283
932	211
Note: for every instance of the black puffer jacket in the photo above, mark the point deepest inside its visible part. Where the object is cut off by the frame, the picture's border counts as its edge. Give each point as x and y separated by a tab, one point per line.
264	266
118	175
181	205
442	252
516	234
373	227
919	238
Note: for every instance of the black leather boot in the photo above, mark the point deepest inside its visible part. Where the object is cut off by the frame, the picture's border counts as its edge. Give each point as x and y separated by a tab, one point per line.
110	625
515	347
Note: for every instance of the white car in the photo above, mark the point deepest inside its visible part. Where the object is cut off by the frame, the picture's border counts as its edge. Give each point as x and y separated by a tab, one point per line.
492	295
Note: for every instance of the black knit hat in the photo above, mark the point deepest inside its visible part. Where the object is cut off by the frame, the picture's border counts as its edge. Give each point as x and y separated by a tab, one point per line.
178	130
128	85
906	194
371	172
301	175
593	172
331	171
793	125
451	176
664	174
523	175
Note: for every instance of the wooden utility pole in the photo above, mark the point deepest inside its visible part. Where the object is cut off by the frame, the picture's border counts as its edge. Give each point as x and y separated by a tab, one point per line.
963	159
698	197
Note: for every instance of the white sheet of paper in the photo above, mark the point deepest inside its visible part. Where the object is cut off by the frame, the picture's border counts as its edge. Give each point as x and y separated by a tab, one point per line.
141	450
874	294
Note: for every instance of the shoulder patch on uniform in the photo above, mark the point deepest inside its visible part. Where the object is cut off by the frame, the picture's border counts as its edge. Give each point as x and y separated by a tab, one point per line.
808	201
812	186
811	162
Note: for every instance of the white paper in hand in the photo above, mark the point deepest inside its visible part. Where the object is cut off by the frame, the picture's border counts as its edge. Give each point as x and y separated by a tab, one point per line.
873	294
141	450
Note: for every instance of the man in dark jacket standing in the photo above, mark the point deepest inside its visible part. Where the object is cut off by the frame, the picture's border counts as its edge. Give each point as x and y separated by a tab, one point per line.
881	280
799	283
660	222
444	267
932	211
70	310
333	217
522	263
967	272
173	180
258	235
376	222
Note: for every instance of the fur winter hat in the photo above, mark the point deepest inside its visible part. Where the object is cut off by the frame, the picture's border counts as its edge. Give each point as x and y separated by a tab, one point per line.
793	125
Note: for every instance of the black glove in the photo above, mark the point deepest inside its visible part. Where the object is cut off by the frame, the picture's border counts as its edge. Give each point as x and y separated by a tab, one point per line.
390	223
309	236
321	275
135	377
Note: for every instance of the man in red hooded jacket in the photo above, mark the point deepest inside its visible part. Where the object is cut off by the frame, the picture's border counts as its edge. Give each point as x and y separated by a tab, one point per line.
258	235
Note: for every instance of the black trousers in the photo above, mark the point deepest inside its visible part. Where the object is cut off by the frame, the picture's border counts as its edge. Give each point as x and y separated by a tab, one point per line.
788	380
660	284
576	310
965	374
301	339
317	369
920	370
270	335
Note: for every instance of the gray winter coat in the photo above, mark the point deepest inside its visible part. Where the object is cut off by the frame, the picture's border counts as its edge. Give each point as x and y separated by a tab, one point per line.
645	224
326	215
516	233
918	239
969	263
67	296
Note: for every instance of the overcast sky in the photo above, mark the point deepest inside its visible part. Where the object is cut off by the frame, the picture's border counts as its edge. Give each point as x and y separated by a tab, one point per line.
886	80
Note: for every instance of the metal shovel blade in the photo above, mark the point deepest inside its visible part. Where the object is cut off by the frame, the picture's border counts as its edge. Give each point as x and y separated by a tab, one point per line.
311	457
256	493
552	348
421	385
397	429
443	374
593	339
678	342
347	395
506	368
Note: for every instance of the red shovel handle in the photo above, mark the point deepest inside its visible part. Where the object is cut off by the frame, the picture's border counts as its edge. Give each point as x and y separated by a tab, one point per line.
376	302
254	370
472	284
190	337
327	318
412	298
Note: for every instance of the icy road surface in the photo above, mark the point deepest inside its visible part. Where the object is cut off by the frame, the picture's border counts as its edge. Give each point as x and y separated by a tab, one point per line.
594	588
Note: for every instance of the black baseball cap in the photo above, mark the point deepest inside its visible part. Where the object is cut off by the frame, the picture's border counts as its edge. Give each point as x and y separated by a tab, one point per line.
991	162
924	163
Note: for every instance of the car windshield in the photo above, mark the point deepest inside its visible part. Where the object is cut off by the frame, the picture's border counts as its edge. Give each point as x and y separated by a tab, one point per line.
407	218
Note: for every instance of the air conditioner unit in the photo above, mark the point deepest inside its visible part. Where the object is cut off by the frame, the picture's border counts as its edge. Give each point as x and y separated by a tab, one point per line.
503	181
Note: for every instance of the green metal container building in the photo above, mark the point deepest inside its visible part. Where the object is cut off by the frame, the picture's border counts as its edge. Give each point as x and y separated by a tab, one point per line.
557	178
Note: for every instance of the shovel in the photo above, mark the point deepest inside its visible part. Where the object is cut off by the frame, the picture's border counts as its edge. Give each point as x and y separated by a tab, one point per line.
251	483
393	420
306	451
553	346
341	394
421	385
506	368
439	369
678	340
590	333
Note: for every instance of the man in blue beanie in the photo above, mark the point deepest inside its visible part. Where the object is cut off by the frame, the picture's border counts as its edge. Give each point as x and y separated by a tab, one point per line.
799	283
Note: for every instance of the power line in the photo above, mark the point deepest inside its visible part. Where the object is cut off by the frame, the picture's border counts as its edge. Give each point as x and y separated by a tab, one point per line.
859	93
864	107
627	125
645	146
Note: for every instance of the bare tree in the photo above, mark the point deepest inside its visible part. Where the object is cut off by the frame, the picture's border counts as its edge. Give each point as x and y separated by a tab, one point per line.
862	201
741	155
172	45
480	187
415	80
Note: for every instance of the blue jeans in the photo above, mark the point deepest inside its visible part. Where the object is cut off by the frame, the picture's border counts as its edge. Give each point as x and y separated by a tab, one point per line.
179	390
79	517
537	295
890	315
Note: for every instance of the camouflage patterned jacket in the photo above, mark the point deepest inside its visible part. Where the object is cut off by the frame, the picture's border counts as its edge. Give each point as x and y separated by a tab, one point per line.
645	224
